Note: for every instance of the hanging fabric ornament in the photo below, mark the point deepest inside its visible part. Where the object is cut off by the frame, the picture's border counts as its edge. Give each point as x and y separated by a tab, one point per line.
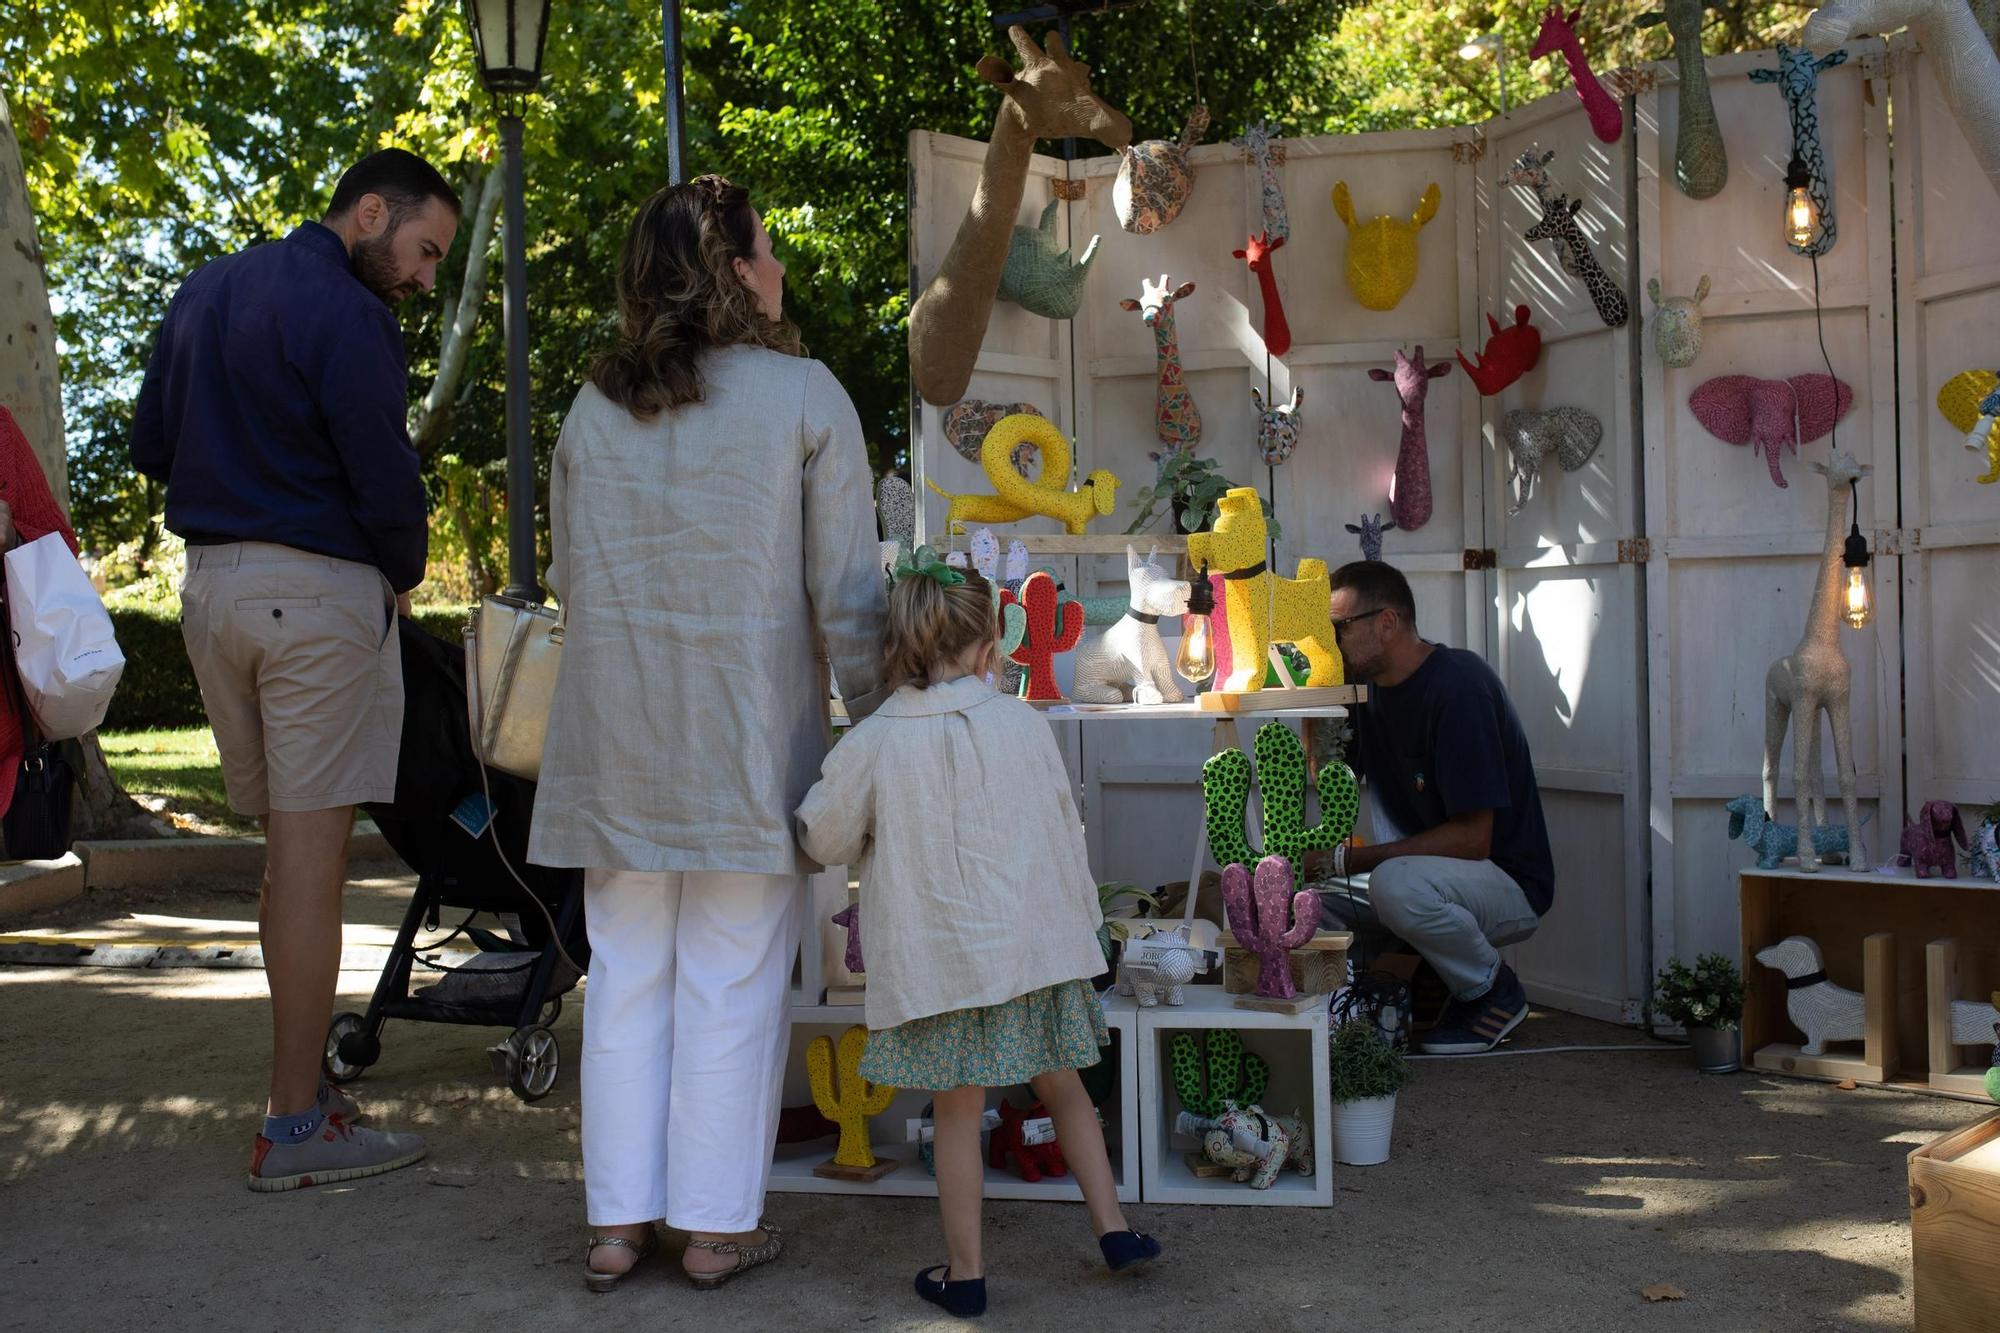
1155	178
1267	157
1277	426
1382	251
1039	275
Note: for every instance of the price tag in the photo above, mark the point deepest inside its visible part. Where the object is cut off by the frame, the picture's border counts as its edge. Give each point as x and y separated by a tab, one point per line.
1042	1129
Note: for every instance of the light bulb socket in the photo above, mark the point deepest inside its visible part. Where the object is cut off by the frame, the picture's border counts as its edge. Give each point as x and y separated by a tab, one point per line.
1201	597
1855	554
1797	177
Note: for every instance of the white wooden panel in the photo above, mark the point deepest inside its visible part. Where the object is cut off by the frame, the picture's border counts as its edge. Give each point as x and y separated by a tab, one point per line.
1568	954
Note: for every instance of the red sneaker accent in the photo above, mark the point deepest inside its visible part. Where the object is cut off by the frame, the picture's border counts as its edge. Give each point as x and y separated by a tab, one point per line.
258	1151
328	1136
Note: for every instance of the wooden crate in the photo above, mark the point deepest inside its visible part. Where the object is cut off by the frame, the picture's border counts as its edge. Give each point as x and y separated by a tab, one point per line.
1320	968
1955	1230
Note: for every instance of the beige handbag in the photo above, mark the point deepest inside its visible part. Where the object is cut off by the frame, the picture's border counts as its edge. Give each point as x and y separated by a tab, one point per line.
512	650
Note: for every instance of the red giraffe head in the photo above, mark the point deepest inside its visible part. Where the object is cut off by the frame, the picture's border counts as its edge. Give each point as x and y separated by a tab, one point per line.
1557	32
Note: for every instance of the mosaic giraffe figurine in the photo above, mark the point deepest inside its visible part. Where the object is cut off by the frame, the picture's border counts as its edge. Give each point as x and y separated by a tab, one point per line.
1960	51
1816	678
1607	122
1048	98
1797	77
1559	224
1410	491
1179	421
1701	162
1268	157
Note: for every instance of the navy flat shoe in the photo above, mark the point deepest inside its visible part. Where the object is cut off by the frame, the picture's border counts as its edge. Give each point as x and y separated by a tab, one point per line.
965	1299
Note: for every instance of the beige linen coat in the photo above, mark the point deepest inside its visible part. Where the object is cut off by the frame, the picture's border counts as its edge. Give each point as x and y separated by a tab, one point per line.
954	804
699	556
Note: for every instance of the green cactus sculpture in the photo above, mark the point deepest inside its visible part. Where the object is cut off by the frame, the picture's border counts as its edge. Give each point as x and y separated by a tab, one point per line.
1234	1074
851	1100
1281	778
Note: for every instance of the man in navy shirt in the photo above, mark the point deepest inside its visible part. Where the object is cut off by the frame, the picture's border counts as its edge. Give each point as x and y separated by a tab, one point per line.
274	410
1464	863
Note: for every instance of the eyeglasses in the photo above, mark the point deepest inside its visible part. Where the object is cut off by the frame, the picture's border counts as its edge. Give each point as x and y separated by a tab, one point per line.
1345	621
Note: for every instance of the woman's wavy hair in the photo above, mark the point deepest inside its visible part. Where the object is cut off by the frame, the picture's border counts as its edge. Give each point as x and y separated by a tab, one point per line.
678	294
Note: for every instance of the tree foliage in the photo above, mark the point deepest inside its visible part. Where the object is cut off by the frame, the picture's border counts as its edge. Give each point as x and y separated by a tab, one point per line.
158	137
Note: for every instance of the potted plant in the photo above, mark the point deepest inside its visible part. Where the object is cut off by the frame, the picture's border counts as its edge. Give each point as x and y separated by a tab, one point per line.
1366	1072
1707	1000
1189	486
1121	903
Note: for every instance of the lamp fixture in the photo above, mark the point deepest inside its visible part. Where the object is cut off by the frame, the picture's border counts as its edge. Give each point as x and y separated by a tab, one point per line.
1196	659
507	38
1801	213
1484	44
1857	607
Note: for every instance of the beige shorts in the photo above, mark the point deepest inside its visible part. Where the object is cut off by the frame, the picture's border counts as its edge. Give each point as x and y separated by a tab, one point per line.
300	672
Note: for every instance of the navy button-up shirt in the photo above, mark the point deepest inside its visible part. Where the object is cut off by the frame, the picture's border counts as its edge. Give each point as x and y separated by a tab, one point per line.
274	410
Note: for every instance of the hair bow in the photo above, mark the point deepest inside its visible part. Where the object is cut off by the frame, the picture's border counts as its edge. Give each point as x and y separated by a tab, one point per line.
924	562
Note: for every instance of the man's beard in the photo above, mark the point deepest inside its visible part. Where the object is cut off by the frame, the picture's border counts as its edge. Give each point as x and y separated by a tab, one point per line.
374	263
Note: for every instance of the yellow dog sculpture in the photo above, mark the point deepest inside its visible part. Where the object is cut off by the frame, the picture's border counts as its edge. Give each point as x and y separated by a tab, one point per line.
1960	400
1018	497
1258	607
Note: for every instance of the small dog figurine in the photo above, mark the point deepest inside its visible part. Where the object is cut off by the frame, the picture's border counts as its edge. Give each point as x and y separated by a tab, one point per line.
1772	841
1927	839
1823	1011
1253	1143
1129	661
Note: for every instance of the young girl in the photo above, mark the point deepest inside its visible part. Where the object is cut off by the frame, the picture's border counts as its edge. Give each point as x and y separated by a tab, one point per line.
978	909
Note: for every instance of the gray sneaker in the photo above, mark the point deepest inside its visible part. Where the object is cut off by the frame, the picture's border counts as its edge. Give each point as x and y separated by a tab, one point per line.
339	1151
334	1101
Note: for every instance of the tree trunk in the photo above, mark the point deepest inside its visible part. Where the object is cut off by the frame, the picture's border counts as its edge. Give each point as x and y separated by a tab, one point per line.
32	391
431	418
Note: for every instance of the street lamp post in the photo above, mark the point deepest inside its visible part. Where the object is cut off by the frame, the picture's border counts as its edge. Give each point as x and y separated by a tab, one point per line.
1495	42
507	36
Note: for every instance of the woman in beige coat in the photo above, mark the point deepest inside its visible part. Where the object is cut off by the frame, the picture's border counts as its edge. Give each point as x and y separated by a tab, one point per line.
711	524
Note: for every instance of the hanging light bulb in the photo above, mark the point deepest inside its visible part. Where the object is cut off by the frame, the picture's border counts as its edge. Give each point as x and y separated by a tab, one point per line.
1196	659
1801	214
1857	607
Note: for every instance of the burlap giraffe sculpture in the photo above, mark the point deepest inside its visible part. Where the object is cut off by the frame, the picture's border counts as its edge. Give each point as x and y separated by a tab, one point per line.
1049	98
1813	678
1701	162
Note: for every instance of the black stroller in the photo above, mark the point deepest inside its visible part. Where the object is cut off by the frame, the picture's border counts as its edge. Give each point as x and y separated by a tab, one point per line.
438	826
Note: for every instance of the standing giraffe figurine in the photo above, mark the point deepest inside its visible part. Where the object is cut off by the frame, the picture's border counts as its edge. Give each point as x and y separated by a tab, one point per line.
1607	122
1797	77
1268	157
1701	163
1179	422
1410	491
1968	71
1049	98
1813	679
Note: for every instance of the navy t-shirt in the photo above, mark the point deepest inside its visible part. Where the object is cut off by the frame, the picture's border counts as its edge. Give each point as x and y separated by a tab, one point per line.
1447	741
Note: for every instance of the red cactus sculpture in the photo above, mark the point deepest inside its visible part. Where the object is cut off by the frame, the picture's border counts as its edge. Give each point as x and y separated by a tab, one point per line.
1257	252
1054	626
1510	353
1258	915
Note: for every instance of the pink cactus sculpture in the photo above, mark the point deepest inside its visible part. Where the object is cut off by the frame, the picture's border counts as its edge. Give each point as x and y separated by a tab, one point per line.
1257	916
849	918
1558	33
1410	492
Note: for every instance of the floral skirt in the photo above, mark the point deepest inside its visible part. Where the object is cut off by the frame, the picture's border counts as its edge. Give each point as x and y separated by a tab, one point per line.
1057	1027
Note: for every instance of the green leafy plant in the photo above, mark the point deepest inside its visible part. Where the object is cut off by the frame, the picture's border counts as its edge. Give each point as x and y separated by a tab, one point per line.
1708	995
1121	903
1363	1064
1188	486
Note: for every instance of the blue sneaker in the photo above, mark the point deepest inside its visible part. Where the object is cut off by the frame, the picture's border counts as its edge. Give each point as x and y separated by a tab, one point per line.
1469	1027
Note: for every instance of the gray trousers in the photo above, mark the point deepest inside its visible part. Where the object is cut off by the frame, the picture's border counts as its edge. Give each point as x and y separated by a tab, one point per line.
1452	912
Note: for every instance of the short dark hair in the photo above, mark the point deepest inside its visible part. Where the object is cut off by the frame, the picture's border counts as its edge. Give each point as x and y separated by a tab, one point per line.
403	179
1378	585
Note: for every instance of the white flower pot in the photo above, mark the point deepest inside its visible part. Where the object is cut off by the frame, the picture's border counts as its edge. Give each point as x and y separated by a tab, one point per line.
1361	1130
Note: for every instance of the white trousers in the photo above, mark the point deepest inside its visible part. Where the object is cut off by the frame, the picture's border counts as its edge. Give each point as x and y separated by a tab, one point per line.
686	1023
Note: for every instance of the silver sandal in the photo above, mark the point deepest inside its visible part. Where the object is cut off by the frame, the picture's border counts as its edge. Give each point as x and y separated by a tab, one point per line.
747	1256
601	1282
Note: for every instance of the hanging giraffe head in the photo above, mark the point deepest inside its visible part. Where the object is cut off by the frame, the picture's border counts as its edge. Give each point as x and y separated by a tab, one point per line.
1156	299
1558	33
1833	23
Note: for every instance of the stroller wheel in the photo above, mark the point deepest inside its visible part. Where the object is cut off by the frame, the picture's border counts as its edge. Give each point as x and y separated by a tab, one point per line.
350	1047
533	1059
551	1011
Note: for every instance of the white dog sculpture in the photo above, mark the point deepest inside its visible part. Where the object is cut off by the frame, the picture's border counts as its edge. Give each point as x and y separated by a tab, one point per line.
1823	1011
1128	663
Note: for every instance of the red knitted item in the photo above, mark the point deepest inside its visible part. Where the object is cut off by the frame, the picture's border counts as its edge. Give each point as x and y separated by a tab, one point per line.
1038	1159
36	514
1054	626
1510	353
1770	415
1257	253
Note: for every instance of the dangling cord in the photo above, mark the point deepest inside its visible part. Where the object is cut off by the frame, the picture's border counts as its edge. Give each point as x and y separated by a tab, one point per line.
1194	66
1833	385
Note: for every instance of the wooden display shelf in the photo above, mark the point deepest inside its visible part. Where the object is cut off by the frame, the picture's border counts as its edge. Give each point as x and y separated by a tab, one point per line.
1280	699
1838	909
1949	1070
1295	1047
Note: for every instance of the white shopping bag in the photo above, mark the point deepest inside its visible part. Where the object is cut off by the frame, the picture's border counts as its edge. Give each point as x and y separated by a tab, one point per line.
64	650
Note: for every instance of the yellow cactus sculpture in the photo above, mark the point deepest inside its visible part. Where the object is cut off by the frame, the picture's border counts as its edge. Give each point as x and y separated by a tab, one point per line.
1018	497
851	1100
1382	251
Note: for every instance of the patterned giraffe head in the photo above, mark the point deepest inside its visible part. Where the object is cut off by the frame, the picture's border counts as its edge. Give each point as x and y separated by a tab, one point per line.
1156	298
